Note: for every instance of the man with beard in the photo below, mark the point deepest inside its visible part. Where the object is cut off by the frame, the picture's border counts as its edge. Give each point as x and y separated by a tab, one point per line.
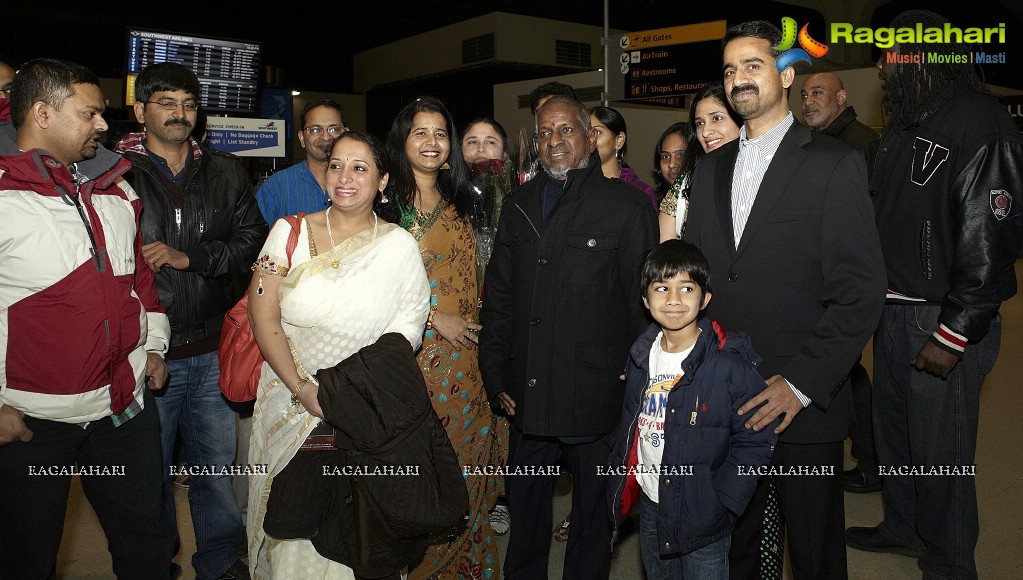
83	333
201	227
302	187
946	185
563	305
784	218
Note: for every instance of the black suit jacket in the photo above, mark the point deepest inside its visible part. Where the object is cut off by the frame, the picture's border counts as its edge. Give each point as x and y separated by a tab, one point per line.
807	281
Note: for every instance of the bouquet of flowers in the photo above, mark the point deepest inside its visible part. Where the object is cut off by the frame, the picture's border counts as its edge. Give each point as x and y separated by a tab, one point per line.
492	181
529	161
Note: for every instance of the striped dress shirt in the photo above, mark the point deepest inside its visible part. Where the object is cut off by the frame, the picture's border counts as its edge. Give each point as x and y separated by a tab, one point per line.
754	158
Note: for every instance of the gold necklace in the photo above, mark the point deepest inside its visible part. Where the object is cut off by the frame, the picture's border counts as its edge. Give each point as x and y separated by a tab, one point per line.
334	262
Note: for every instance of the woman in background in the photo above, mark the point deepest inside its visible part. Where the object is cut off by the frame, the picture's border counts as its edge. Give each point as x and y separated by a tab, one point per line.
484	139
714	124
485	150
612	144
430	187
668	155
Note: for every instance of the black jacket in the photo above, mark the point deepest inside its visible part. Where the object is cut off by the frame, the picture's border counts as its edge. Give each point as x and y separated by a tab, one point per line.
562	301
847	129
948	197
807	280
706	435
216	222
378	402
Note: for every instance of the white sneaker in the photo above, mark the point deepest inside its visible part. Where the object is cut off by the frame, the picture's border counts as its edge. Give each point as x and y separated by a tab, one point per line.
500	520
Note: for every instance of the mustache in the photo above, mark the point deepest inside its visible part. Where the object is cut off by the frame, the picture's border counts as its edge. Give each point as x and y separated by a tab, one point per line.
182	122
746	87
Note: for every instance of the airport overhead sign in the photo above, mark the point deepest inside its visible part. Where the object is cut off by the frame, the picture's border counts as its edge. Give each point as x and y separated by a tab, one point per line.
665	63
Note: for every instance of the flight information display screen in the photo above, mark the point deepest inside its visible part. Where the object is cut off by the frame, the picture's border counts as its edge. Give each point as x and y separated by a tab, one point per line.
228	70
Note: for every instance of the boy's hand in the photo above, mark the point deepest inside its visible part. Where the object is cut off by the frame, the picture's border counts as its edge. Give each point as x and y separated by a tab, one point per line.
777	399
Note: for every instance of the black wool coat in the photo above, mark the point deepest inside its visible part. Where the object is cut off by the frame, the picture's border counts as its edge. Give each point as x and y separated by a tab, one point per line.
383	421
562	301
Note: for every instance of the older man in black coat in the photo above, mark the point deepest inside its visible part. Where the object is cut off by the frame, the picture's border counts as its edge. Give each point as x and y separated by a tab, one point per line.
562	306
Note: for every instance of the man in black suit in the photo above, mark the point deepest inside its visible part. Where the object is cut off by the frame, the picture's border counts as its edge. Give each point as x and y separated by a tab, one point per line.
784	218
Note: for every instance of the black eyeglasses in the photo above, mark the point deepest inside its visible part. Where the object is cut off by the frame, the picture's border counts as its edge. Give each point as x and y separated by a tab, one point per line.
169	105
333	130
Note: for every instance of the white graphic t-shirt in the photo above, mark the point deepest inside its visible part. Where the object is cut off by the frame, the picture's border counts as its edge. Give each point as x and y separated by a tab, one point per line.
665	371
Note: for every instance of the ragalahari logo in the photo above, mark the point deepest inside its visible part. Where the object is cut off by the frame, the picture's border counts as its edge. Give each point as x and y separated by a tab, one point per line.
789	56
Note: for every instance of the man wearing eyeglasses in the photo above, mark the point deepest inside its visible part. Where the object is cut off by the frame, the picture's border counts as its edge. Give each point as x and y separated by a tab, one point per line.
302	187
201	228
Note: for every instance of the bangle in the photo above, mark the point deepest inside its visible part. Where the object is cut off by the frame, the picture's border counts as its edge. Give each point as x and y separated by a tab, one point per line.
429	319
298	391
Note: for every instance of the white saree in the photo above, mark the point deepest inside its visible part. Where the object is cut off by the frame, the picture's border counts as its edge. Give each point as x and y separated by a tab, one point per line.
332	305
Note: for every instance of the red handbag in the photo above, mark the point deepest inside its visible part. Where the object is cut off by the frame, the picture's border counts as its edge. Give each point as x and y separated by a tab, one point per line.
240	359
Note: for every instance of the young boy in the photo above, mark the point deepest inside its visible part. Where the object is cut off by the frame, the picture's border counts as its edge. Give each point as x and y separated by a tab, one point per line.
682	450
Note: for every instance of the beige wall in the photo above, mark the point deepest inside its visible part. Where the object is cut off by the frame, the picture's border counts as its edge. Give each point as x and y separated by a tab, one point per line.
518	39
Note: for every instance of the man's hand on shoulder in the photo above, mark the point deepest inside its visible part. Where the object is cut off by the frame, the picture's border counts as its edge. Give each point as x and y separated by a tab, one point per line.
935	360
12	426
159	254
777	399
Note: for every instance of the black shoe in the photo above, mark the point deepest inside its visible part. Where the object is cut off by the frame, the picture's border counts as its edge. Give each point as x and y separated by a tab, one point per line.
238	571
856	481
871	540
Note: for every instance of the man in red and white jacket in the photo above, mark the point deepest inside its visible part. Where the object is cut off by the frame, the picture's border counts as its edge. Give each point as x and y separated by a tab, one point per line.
82	334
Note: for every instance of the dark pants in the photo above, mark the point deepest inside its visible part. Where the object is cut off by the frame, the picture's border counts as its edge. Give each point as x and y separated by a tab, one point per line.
707	563
861	432
922	420
812	508
129	504
192	407
588	553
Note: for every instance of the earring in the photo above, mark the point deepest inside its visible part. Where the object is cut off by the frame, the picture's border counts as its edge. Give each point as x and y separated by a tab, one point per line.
383	198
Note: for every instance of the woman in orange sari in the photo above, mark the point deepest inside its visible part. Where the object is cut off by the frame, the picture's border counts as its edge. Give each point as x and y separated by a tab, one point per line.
434	204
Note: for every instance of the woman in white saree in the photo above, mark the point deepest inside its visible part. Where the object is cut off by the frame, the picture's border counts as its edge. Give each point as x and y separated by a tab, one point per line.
352	278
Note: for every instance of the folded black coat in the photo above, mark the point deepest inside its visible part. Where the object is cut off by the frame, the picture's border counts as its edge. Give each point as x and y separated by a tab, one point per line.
384	423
